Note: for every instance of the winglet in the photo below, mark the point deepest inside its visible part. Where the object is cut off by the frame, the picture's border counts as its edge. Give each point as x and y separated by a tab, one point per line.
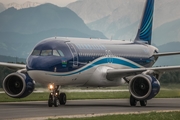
145	29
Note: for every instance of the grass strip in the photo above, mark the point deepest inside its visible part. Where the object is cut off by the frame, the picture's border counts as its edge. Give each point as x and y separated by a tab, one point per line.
144	116
88	95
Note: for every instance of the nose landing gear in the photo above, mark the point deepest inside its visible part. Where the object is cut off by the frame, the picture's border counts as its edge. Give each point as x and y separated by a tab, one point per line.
55	97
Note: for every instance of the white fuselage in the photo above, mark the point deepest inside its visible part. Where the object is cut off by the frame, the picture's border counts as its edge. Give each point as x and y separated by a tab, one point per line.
94	72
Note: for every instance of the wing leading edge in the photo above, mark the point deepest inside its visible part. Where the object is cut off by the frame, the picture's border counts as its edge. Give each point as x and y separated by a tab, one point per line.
13	66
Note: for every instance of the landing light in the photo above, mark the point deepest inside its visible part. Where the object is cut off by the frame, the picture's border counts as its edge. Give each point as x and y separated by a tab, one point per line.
51	87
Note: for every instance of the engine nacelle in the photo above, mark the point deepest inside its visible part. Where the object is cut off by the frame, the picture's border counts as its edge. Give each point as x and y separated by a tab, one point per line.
144	87
18	85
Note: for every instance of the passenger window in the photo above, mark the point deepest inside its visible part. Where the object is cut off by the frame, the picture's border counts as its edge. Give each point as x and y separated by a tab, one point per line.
46	52
36	53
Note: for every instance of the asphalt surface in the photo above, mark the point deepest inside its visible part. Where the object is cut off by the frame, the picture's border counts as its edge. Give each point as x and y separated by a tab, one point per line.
40	110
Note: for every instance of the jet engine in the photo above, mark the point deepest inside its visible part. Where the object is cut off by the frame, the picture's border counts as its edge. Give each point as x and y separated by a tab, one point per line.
144	87
18	85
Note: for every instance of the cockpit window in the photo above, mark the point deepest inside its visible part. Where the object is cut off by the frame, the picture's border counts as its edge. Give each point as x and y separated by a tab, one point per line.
55	53
46	52
61	53
36	52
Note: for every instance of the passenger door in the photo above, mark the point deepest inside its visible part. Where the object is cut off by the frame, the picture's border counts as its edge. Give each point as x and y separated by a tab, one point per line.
74	54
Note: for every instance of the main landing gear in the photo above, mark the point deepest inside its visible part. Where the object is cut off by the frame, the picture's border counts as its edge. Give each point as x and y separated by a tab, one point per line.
133	101
56	98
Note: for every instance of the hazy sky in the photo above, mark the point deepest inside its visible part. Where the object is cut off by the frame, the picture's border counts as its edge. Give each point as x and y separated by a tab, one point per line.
57	2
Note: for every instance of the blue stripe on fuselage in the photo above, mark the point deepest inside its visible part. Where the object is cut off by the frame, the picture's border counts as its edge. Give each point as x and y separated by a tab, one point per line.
100	62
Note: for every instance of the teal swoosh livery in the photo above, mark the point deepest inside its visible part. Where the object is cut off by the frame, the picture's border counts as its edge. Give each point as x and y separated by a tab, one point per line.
117	61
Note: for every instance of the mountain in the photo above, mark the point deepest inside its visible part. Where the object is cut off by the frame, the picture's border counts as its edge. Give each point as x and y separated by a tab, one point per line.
122	20
2	7
167	32
92	10
22	29
166	11
41	18
24	5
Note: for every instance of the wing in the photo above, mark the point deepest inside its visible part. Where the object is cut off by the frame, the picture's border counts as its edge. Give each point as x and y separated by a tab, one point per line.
115	73
13	66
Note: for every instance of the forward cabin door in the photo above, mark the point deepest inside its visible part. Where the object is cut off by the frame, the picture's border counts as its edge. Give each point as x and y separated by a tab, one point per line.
74	54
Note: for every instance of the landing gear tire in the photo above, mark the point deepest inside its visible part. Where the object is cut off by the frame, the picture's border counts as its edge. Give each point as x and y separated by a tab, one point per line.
50	101
143	103
56	102
62	99
133	101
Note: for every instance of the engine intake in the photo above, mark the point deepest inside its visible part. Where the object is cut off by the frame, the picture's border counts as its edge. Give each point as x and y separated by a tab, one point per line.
144	87
18	85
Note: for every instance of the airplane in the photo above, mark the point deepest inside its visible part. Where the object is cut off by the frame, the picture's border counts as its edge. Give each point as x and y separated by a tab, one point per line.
87	62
